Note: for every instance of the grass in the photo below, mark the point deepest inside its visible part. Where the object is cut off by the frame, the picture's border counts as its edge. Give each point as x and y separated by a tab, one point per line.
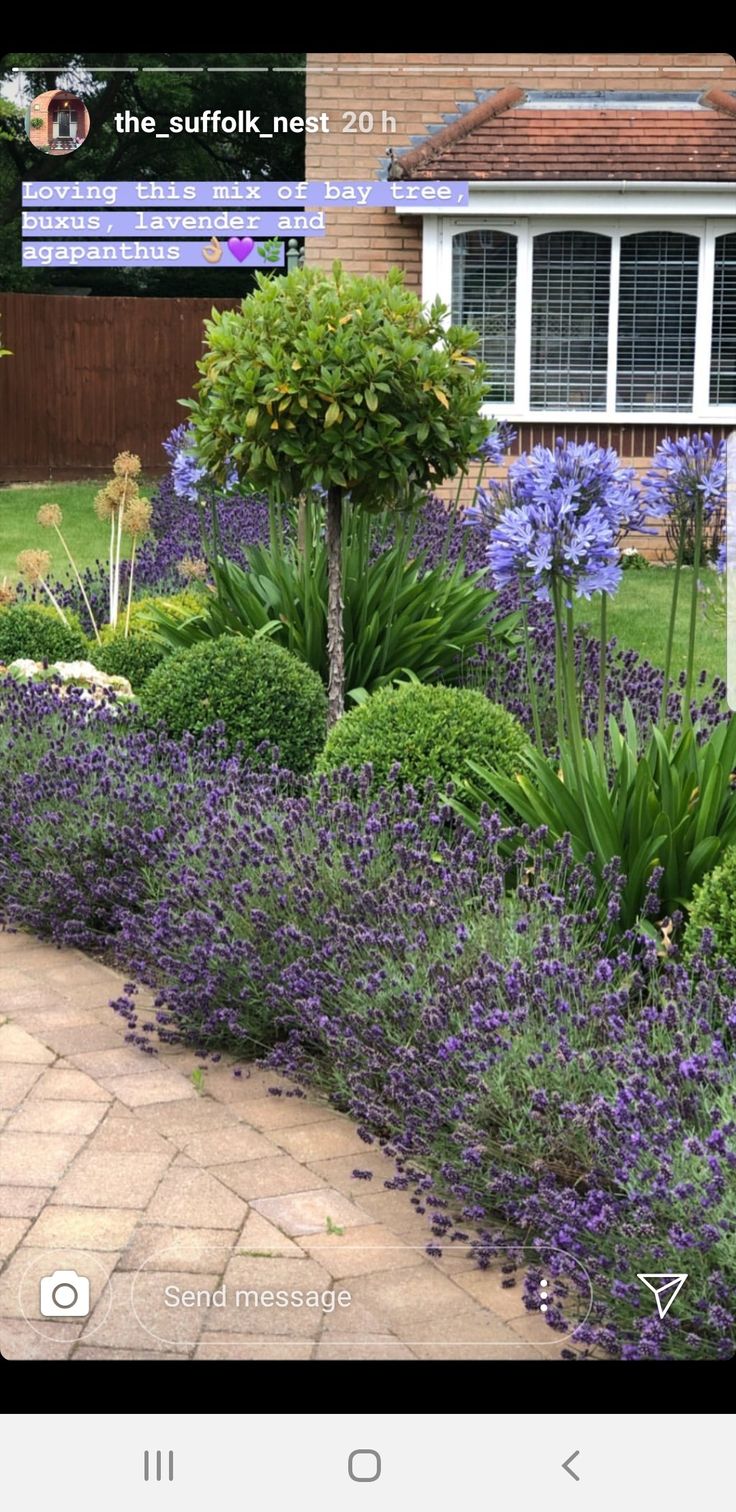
639	617
86	536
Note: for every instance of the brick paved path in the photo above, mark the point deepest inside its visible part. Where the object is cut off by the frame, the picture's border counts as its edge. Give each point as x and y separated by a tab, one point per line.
112	1164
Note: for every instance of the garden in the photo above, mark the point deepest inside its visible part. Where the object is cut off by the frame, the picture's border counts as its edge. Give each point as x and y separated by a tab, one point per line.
363	786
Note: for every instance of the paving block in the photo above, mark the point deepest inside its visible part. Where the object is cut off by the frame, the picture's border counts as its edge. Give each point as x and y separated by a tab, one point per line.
320	1140
225	1346
160	1086
311	1212
138	1317
42	1341
16	1045
16	1082
11	1233
111	1179
22	1201
194	1199
36	1159
44	1116
165	1248
65	1082
258	1237
83	1228
267	1178
360	1251
229	1145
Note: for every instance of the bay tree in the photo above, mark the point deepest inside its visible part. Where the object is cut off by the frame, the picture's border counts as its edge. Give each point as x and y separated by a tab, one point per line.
344	383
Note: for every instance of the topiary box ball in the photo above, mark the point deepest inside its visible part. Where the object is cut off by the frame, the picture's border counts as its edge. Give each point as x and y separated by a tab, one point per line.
429	730
36	632
259	691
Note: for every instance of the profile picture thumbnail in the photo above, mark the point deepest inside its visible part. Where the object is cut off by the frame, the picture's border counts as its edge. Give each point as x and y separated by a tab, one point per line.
57	122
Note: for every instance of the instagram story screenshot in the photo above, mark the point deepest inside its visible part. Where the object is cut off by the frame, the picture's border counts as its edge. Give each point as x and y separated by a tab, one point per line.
368	723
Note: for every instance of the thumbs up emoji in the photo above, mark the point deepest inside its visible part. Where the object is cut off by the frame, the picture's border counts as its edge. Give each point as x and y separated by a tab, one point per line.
212	253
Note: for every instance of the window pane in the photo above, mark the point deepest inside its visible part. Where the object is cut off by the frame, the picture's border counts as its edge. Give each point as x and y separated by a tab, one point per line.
658	294
723	348
570	295
484	296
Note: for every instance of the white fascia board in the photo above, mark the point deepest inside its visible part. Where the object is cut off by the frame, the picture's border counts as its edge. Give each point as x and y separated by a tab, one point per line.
572	199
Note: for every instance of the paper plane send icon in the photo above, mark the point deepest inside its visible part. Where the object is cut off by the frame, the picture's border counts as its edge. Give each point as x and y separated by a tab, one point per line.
666	1286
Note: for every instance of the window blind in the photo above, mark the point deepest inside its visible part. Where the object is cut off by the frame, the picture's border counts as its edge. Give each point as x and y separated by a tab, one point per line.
723	344
658	292
571	287
484	297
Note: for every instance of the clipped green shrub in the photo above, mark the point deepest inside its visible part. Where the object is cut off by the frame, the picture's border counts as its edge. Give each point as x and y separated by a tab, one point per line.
430	730
36	632
133	656
714	907
260	692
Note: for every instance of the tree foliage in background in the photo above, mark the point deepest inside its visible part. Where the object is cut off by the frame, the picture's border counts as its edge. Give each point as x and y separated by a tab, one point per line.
107	154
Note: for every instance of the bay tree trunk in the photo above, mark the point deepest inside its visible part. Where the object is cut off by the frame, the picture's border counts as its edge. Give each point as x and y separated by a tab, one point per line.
335	645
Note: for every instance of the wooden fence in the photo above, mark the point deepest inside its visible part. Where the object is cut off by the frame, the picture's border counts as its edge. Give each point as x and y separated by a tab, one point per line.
91	377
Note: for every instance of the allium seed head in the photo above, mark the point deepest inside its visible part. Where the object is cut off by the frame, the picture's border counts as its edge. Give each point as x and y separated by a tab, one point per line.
137	517
126	465
7	594
34	564
192	568
49	515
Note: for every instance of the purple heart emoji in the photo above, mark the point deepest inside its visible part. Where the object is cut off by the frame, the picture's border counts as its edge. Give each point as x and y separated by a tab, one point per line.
240	246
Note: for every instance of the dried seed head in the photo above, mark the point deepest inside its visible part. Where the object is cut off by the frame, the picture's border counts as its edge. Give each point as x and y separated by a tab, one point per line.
126	465
34	565
105	505
137	516
49	515
192	568
7	594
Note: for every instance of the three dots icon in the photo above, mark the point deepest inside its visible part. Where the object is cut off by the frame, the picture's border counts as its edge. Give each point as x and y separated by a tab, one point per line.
543	1287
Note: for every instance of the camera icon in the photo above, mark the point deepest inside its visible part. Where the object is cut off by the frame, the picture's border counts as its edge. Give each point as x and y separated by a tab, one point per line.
64	1295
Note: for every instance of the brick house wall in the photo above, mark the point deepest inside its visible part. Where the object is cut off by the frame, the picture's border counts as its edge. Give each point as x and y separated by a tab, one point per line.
372	241
420	91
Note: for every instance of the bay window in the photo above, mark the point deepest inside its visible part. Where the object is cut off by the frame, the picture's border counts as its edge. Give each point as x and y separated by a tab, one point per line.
594	318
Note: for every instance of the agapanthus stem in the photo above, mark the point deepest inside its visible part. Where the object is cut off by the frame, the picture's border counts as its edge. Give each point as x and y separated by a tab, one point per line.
130	588
602	679
694	608
531	681
673	621
573	713
453	513
559	667
82	590
54	601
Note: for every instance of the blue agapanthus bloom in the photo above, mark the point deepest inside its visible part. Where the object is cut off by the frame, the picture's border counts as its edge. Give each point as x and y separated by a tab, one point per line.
721	562
495	446
558	519
189	478
684	470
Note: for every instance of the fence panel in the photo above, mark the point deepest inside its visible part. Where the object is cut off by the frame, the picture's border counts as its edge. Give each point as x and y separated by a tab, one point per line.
91	377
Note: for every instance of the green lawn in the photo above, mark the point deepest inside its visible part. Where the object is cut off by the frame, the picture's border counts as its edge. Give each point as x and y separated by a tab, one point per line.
86	536
639	617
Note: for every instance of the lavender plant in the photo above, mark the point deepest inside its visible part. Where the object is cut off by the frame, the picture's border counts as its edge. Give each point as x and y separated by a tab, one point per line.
528	1079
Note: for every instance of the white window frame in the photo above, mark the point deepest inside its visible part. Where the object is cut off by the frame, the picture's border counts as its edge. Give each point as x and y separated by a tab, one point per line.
439	232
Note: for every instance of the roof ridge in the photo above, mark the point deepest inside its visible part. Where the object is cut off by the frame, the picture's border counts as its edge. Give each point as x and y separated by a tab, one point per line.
495	104
719	99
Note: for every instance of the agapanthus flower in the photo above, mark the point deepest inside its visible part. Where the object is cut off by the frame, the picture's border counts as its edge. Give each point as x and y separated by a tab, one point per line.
683	469
558	519
495	446
189	478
